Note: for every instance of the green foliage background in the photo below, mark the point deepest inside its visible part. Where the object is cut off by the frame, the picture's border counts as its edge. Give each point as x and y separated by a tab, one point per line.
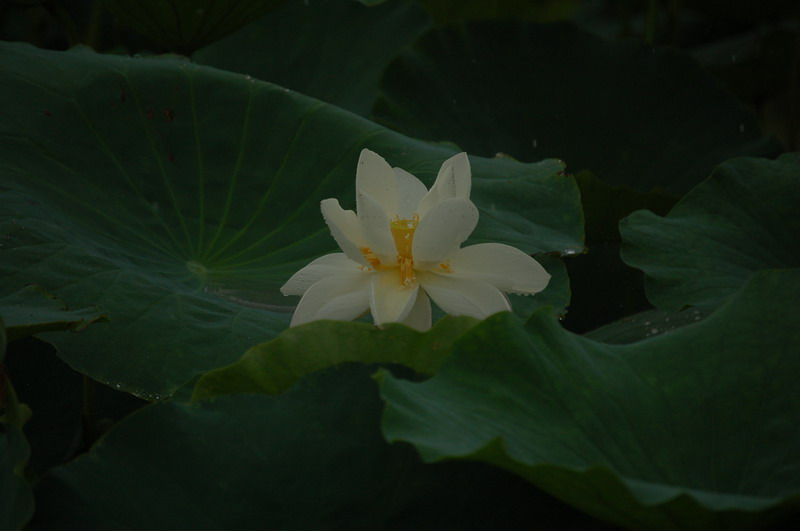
161	167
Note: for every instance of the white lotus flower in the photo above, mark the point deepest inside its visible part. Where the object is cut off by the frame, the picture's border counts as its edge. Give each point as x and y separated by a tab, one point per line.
404	247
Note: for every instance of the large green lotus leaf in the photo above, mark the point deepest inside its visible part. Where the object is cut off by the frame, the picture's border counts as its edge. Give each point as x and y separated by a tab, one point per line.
741	220
179	198
312	458
333	51
17	506
630	113
32	310
696	429
645	324
275	366
185	25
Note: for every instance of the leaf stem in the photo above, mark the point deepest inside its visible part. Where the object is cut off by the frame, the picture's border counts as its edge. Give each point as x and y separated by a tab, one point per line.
94	29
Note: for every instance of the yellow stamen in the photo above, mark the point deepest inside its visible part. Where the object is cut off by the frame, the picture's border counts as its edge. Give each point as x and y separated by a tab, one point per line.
370	256
403	234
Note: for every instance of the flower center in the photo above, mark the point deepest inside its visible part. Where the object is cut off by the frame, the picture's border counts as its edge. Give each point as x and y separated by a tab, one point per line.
403	234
